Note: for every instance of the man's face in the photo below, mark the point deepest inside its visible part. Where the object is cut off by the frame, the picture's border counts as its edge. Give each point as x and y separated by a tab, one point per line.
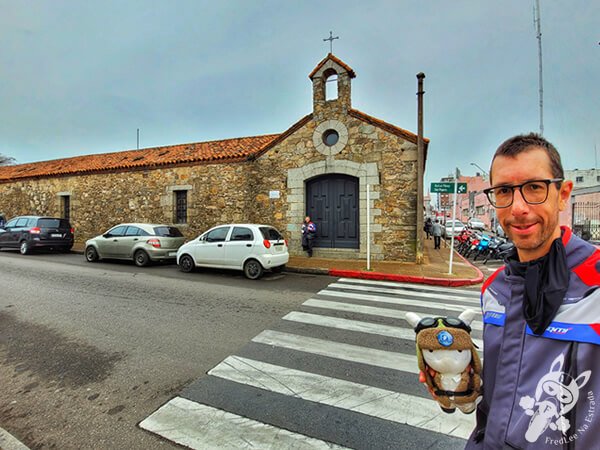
531	227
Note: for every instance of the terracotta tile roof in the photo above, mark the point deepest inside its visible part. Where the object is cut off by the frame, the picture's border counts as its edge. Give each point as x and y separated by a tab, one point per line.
330	56
228	150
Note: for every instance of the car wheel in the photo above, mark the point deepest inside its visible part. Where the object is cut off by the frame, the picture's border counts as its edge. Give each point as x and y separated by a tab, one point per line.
186	263
253	269
141	258
91	254
278	269
24	248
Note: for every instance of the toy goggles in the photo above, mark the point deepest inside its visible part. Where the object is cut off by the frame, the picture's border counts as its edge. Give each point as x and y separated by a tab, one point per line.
434	322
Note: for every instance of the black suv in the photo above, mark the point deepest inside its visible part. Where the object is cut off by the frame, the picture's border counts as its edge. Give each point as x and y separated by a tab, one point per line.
29	232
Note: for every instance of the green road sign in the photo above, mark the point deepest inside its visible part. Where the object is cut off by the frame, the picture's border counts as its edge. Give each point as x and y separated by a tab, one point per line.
448	188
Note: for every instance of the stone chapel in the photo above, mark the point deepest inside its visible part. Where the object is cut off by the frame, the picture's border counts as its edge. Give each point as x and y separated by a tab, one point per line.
320	166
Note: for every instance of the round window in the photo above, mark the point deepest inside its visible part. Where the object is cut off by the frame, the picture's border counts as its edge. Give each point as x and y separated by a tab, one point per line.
330	137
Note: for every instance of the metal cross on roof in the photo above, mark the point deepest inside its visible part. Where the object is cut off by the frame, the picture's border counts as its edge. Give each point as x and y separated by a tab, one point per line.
330	39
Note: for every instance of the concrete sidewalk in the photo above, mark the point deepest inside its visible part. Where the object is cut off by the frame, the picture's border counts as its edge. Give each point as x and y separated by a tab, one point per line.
434	269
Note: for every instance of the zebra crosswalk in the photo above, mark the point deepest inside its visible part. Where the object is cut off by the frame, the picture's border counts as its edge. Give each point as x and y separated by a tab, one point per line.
340	372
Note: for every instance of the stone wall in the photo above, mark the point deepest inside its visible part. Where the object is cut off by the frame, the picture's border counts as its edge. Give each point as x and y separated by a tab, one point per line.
217	193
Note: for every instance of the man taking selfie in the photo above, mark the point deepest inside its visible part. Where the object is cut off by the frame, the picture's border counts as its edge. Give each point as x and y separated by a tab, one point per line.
541	312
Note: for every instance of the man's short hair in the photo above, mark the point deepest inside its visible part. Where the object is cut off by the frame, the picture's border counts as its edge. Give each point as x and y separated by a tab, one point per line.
523	142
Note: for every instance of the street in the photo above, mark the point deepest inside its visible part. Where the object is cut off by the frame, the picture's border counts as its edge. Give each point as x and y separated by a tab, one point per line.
87	351
212	360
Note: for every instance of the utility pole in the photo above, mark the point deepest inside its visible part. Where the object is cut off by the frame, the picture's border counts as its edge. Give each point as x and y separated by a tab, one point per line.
420	170
538	31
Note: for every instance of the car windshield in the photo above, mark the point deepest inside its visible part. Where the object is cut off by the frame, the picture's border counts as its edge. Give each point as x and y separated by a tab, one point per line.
271	234
53	223
456	224
167	232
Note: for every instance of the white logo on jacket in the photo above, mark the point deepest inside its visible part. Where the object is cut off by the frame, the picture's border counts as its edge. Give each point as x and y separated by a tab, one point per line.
556	394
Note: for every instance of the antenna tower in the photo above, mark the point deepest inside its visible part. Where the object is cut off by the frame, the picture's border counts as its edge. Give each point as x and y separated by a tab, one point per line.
538	33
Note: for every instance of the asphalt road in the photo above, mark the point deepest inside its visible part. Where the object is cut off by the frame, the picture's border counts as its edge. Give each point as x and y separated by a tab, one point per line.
87	351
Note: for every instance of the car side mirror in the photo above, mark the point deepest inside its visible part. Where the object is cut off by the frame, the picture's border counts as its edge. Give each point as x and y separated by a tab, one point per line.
106	235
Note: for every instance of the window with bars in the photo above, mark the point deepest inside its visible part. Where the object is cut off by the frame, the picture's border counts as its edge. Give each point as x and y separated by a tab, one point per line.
66	207
181	206
578	179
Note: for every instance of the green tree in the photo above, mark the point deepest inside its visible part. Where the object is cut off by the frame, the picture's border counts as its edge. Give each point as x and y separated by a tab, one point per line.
6	160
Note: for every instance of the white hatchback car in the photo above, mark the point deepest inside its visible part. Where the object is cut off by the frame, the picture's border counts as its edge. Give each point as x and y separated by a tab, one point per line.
458	228
248	247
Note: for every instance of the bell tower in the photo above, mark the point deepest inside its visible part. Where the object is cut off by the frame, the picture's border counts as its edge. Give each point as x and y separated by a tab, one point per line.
331	81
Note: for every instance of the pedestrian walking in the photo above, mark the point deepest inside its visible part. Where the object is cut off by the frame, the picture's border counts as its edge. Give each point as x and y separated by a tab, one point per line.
436	230
309	232
428	227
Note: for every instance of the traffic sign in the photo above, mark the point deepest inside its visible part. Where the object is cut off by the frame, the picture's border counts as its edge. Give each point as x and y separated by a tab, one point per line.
448	188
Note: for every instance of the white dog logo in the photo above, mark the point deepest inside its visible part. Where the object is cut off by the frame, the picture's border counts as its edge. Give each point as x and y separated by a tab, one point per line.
555	395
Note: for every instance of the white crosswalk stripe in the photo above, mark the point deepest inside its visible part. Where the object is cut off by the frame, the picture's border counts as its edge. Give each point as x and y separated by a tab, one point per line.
376	402
373	310
385	290
357	325
367	320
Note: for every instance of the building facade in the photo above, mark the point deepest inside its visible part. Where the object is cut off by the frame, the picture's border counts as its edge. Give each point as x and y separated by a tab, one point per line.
320	166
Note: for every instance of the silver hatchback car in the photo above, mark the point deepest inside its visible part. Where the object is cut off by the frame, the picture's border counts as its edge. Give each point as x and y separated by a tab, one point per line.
142	242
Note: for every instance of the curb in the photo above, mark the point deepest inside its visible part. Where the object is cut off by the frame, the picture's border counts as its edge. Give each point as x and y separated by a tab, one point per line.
9	442
380	276
310	270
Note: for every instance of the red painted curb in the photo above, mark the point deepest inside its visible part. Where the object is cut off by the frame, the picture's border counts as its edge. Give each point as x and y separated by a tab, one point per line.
449	282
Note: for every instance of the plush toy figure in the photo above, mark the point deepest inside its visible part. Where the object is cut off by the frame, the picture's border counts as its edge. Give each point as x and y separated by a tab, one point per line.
448	360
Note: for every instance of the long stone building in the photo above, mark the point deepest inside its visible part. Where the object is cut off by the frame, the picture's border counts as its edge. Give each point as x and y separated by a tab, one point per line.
321	166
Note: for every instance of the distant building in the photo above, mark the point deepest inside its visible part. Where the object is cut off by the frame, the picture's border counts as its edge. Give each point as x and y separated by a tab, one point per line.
473	203
583	178
583	211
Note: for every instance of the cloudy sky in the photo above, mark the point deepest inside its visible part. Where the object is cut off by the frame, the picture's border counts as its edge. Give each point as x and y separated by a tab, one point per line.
79	77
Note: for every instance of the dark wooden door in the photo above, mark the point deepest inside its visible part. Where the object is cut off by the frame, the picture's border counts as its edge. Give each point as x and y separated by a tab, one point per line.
332	204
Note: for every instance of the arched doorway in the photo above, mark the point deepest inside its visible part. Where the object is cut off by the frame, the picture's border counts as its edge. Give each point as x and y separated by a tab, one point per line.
332	203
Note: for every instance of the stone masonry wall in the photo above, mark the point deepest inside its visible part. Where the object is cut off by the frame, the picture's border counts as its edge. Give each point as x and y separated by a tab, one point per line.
217	193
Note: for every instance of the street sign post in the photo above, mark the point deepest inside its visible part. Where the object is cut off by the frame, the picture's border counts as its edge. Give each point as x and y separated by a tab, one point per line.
448	188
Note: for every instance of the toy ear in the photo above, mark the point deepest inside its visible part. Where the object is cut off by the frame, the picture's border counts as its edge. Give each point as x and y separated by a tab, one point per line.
475	361
413	319
467	316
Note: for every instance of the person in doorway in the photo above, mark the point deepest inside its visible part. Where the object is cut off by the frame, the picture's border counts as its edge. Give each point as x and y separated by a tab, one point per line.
436	230
541	373
309	231
428	227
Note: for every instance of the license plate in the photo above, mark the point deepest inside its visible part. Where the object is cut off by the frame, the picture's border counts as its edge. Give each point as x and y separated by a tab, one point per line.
172	253
278	249
58	235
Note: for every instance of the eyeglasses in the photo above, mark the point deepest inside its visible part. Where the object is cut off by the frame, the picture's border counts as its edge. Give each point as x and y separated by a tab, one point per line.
434	322
533	192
